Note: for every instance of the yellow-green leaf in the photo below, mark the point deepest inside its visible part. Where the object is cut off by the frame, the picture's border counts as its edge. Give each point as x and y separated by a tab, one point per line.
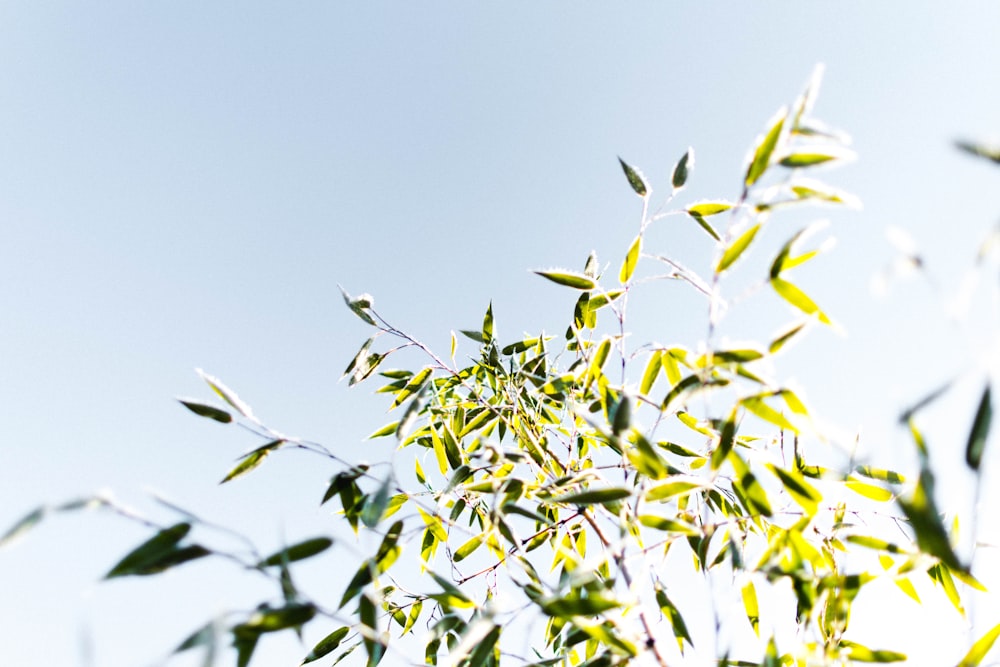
568	279
736	248
631	260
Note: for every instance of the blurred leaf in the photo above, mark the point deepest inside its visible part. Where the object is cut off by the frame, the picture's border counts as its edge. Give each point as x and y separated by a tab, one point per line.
205	410
226	394
327	645
670	611
682	169
813	155
929	530
736	248
247	464
870	491
703	223
593	496
467	549
982	645
980	431
784	337
388	429
359	305
23	526
704	209
798	298
568	279
798	488
880	474
765	148
578	606
859	653
374	508
749	594
635	179
299	551
991	153
652	371
272	619
631	260
150	551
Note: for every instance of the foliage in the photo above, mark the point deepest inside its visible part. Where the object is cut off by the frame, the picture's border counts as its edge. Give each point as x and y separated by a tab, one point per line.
583	500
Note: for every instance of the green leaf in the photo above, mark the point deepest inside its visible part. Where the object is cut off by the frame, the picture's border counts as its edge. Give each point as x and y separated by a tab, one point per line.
631	260
749	594
682	170
980	431
635	179
669	525
880	474
467	549
756	405
875	543
248	463
598	301
275	619
736	248
670	611
859	653
673	488
812	156
327	645
704	209
578	606
150	551
488	324
299	551
784	337
23	526
388	429
798	488
931	535
765	148
375	506
798	298
982	645
594	496
870	491
413	386
568	279
703	223
226	394
205	410
991	153
359	305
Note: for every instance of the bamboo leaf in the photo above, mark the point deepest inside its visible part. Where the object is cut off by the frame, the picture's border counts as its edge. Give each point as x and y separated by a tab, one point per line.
765	148
327	645
704	209
799	299
226	394
298	551
682	170
568	279
980	648
206	410
635	179
594	496
150	551
749	594
736	248
980	431
631	260
23	526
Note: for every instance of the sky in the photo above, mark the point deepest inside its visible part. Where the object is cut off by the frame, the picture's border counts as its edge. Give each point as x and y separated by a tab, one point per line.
184	185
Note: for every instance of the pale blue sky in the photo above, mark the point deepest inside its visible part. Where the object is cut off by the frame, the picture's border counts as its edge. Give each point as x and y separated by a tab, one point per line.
184	185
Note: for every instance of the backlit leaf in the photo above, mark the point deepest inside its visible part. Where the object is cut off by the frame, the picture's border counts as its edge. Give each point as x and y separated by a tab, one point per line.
593	496
226	394
981	647
150	551
327	645
736	248
682	169
298	551
635	179
980	431
569	279
205	410
631	260
798	298
765	148
705	209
